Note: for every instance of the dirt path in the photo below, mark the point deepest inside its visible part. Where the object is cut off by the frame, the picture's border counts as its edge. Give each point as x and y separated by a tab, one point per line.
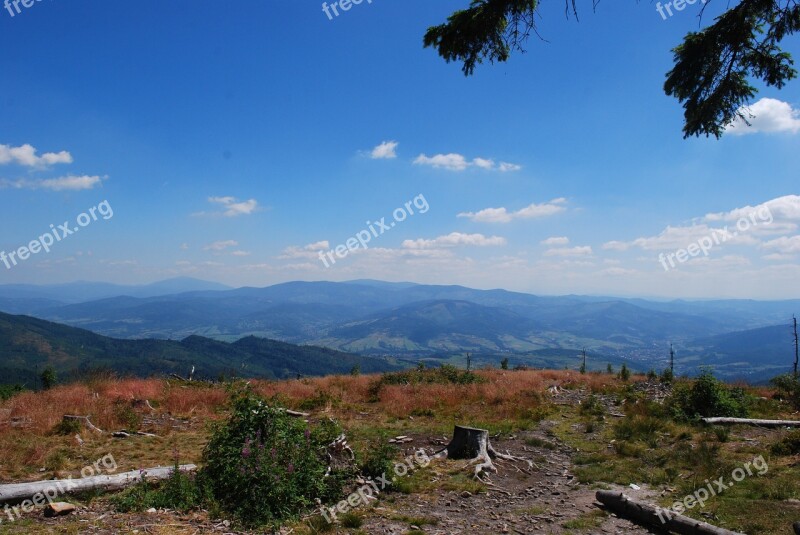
548	499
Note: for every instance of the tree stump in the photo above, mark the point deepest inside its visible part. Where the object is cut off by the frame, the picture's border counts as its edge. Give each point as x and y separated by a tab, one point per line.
473	444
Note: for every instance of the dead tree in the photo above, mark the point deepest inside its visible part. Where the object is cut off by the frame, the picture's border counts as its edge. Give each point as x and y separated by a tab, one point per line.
656	516
18	492
794	318
750	421
473	444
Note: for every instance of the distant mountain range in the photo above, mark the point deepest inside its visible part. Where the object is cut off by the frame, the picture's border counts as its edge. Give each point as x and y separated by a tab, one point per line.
414	321
28	345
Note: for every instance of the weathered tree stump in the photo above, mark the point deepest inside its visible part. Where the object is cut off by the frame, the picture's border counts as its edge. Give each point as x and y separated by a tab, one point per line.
656	516
473	444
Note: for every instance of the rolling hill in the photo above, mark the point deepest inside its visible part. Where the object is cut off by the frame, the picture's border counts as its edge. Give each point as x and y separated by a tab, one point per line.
28	344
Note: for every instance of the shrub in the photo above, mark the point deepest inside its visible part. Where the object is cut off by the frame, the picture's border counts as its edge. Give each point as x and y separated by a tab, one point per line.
652	375
48	378
379	459
504	364
264	466
790	445
445	374
624	373
180	492
9	391
667	376
788	387
707	397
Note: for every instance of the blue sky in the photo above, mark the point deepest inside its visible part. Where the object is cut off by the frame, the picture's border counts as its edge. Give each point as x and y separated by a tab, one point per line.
233	140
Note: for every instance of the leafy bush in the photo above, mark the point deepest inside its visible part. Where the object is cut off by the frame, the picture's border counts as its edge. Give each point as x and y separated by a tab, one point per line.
445	374
788	387
667	376
652	375
379	459
790	445
263	466
48	378
180	492
707	397
9	391
624	373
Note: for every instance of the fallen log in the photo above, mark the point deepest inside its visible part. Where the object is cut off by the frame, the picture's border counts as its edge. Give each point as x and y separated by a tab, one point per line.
473	444
750	421
18	492
656	516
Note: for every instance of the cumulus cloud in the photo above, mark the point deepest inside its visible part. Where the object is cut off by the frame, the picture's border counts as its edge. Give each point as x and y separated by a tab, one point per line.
455	239
766	115
232	207
26	155
502	215
311	250
458	162
786	245
220	245
746	225
570	251
556	240
65	183
386	150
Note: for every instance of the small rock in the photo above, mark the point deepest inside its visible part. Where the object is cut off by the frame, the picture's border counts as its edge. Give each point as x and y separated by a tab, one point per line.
152	510
58	509
466	494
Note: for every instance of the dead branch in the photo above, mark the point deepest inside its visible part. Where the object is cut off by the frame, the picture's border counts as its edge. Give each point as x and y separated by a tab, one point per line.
86	422
652	515
750	421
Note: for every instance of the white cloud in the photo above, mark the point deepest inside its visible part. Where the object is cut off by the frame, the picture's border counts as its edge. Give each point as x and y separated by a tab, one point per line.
457	162
241	253
65	183
506	167
454	239
220	245
451	162
766	115
232	207
746	225
26	155
502	215
570	251
385	150
483	163
556	240
785	245
311	250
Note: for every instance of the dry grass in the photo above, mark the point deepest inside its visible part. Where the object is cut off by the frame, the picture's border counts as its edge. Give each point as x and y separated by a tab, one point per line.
505	400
